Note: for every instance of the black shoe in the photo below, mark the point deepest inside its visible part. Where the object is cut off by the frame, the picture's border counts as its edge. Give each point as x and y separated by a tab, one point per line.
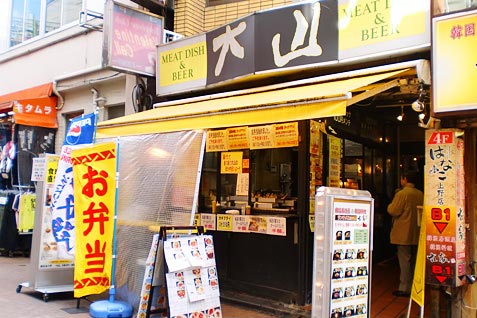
399	293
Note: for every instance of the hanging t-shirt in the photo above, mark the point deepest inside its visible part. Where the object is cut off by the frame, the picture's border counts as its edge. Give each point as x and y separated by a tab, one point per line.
27	212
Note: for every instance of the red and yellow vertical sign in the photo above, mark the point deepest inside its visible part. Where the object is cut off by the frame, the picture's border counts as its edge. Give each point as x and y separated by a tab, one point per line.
94	170
444	207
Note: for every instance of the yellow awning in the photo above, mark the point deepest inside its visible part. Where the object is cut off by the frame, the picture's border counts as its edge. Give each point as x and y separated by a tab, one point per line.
315	100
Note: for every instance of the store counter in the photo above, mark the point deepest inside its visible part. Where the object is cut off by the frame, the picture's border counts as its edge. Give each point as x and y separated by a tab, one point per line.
251	260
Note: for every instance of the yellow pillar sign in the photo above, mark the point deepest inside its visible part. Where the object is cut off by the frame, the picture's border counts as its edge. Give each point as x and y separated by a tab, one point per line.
94	171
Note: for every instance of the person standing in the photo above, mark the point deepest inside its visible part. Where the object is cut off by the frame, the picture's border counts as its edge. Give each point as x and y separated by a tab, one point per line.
405	230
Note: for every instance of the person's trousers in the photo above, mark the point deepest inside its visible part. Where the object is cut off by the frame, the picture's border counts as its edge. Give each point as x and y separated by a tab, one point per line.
407	259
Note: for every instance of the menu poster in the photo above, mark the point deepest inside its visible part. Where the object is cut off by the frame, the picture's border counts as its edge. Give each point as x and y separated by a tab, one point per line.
350	258
176	292
242	184
286	135
209	251
240	223
258	224
334	161
261	137
38	169
205	302
174	255
208	221
277	226
194	284
48	253
231	162
216	140
237	138
224	222
194	292
194	252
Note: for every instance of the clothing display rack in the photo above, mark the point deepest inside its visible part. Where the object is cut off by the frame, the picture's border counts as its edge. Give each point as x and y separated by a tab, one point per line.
12	239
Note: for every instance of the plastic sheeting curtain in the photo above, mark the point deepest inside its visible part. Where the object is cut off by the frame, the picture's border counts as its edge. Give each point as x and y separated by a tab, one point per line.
157	184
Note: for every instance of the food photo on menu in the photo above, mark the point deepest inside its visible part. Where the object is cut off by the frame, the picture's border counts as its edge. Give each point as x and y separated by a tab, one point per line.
337	313
193	291
362	271
338	255
350	272
337	273
337	293
361	289
350	253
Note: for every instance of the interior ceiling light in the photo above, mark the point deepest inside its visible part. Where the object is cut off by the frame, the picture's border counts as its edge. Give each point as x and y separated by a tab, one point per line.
401	116
419	104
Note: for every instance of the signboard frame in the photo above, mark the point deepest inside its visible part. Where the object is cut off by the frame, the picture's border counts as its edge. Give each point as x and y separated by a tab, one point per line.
444	61
113	35
342	264
46	280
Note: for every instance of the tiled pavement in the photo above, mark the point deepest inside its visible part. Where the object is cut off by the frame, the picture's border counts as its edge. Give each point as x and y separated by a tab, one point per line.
29	303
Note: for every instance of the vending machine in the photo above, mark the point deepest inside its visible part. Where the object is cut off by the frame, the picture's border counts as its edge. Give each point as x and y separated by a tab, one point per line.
342	253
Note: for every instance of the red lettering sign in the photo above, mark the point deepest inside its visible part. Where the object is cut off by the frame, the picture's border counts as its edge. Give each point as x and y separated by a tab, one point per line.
441	137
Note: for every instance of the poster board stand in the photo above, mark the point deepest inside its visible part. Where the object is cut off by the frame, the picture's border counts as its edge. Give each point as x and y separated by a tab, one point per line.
47	273
181	278
342	260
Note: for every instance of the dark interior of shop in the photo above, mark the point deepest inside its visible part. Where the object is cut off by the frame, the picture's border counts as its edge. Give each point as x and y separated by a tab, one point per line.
381	136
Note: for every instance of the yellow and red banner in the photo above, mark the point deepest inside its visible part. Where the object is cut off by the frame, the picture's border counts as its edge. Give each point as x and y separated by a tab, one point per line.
94	171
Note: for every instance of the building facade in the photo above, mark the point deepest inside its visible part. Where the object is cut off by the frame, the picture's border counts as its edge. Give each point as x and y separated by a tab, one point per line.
62	43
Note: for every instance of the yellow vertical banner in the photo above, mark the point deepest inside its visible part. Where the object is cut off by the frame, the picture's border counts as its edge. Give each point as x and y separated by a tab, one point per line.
94	173
419	280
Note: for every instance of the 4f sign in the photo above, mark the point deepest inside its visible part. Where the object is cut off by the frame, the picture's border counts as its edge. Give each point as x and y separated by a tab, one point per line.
441	137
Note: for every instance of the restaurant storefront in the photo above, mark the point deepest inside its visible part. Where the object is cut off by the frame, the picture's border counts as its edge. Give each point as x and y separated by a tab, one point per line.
279	125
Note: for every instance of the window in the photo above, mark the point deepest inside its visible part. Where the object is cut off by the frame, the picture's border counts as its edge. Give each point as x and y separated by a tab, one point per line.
31	18
25	21
61	12
115	111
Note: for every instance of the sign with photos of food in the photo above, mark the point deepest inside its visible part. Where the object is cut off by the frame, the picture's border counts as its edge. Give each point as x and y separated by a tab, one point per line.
193	288
350	273
270	225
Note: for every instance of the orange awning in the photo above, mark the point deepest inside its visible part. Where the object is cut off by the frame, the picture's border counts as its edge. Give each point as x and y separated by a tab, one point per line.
34	106
44	90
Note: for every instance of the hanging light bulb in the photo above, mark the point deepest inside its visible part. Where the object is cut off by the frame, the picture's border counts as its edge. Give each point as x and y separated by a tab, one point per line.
401	116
